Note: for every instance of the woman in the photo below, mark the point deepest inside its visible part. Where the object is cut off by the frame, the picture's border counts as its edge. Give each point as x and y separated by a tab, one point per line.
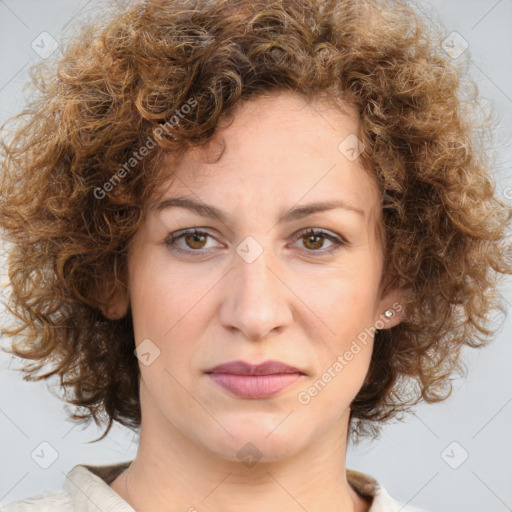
252	231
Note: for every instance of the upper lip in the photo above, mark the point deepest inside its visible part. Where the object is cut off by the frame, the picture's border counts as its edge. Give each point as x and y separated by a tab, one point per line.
243	368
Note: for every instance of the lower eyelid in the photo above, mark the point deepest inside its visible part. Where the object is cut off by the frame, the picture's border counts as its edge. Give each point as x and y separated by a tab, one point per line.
171	240
336	240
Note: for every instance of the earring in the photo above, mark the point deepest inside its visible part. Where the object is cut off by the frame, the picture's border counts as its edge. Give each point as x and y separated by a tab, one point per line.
389	313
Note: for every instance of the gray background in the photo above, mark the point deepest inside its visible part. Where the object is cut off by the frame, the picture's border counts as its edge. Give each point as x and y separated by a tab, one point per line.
419	460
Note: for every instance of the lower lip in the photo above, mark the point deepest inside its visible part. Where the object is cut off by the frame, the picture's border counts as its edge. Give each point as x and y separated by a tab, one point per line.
255	386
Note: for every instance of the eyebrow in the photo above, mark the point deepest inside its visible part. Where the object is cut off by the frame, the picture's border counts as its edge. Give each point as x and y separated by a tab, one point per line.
206	210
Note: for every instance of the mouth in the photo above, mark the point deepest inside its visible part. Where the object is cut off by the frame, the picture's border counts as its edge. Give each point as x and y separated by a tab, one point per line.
247	380
244	368
255	386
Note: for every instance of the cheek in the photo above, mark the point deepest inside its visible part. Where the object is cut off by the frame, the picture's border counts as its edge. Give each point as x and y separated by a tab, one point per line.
346	304
360	290
330	393
344	308
160	297
166	305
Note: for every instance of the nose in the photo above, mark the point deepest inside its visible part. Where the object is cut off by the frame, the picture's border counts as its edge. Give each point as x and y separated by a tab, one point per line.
257	299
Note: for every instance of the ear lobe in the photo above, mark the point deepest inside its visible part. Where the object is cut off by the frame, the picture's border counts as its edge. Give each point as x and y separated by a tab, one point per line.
391	309
116	305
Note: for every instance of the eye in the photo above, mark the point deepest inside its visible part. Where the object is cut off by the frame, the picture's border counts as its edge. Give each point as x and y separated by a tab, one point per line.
195	241
193	238
314	239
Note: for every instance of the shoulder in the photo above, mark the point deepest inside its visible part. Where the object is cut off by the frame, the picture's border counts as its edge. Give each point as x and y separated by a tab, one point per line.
372	491
49	501
385	503
86	488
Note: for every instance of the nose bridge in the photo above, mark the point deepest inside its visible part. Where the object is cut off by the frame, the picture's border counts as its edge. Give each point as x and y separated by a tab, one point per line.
256	301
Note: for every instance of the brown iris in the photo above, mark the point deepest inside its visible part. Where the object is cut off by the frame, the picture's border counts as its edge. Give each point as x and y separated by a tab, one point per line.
195	237
318	245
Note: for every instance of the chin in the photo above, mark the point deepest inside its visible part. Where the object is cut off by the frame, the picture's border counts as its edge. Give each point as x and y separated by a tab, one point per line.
257	442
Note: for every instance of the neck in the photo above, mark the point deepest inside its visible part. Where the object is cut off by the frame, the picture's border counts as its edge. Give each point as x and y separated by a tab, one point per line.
172	469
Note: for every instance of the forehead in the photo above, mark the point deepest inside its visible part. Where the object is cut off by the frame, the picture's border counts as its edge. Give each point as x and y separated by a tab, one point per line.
277	149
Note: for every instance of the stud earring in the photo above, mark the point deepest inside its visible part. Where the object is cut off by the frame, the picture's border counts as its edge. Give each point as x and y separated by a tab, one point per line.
389	313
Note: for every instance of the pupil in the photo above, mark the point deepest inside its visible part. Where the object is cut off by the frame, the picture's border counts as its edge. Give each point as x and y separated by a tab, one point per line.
196	238
311	239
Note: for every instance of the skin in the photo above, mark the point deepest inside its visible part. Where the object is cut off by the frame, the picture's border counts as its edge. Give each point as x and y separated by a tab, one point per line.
294	303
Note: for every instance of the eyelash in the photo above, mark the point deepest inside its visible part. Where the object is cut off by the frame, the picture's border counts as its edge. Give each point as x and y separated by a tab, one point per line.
337	241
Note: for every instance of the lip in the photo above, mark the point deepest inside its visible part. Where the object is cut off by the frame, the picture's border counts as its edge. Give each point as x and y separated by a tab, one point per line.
255	386
262	380
243	368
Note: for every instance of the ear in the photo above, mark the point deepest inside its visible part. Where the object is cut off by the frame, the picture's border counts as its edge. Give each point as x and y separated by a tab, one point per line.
116	305
392	303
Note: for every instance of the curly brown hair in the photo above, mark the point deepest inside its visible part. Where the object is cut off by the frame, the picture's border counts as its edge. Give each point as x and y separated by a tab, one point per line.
69	211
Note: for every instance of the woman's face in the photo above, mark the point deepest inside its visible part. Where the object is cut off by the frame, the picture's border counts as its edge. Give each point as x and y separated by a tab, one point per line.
253	286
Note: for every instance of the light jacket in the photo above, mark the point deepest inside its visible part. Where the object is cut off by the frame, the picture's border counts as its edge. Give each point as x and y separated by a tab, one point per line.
87	489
